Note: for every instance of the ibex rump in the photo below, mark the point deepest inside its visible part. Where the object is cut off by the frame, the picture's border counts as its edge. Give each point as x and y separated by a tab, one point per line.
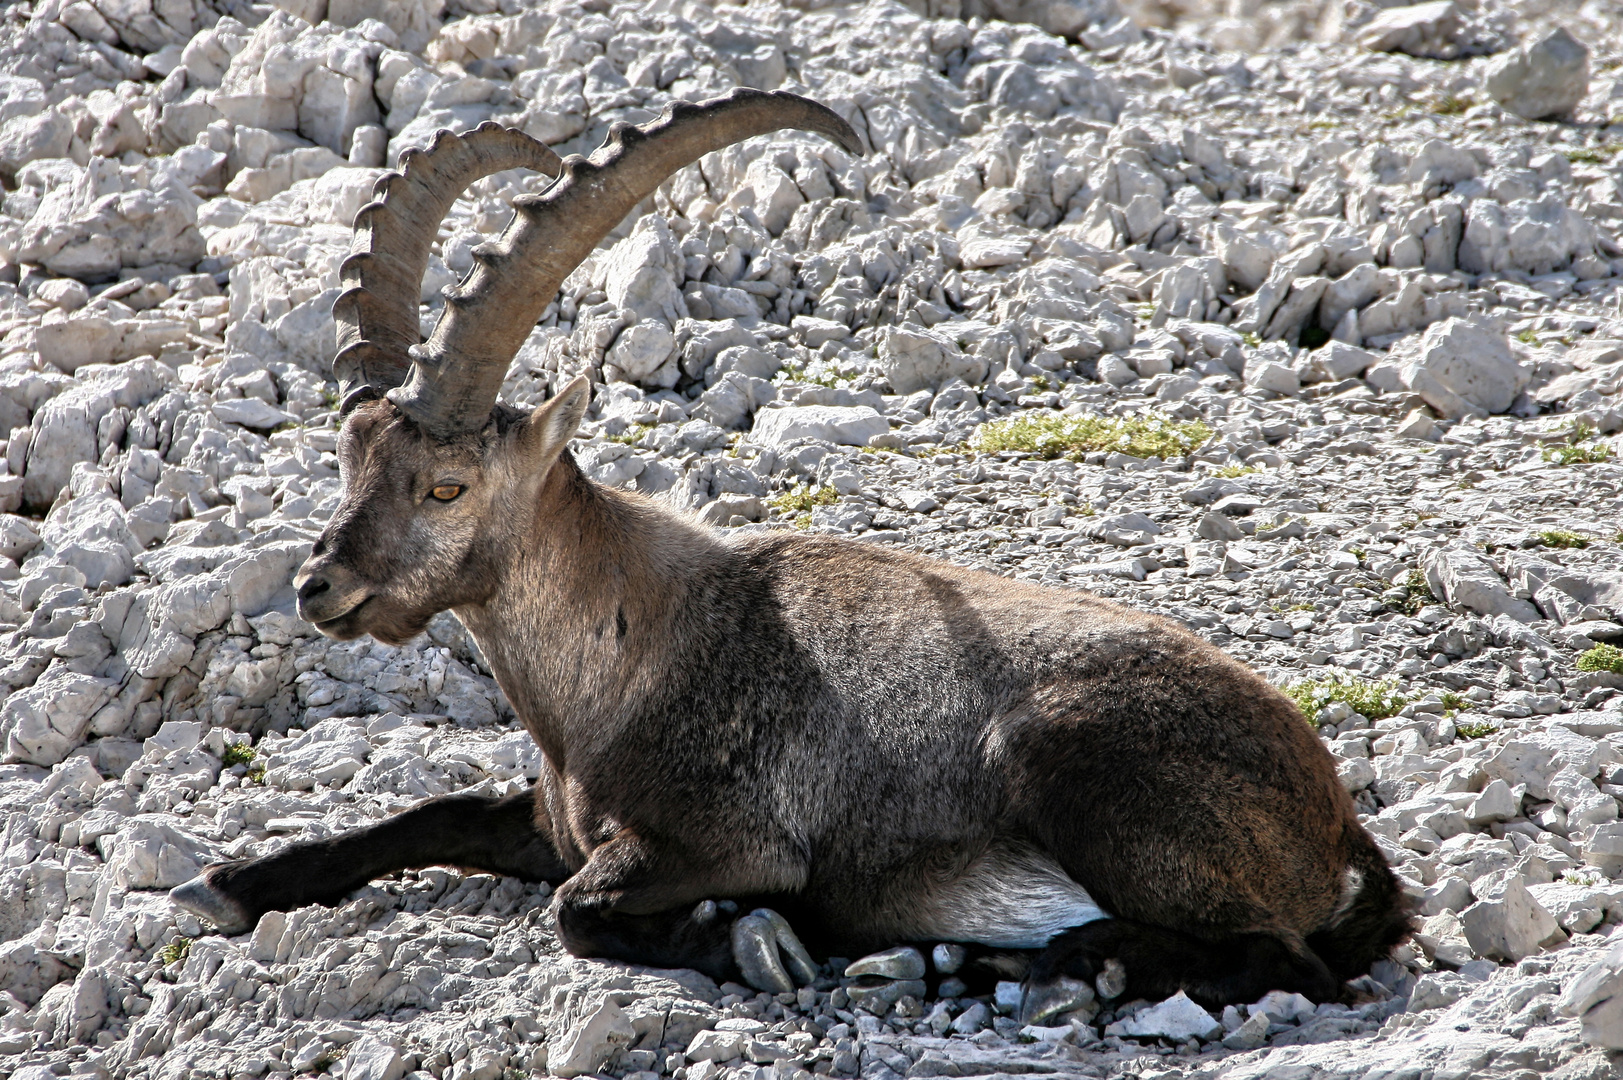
881	747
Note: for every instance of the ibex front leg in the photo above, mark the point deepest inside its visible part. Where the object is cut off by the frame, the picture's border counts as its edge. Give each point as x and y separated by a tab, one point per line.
494	835
627	903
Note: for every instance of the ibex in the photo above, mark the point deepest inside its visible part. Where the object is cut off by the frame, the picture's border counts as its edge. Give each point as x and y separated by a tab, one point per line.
859	744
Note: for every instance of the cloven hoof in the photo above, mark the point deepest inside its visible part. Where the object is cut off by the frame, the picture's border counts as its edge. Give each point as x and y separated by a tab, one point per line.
205	901
769	954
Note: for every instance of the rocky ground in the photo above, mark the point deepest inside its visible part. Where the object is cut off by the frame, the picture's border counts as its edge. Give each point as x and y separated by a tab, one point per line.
1300	323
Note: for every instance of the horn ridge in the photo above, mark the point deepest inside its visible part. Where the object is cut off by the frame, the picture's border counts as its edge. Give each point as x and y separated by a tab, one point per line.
457	374
393	234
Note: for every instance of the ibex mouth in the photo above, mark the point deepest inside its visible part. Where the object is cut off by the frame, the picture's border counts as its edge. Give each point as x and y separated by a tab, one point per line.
341	627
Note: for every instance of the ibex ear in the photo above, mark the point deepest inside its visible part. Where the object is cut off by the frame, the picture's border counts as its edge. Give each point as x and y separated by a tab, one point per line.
555	422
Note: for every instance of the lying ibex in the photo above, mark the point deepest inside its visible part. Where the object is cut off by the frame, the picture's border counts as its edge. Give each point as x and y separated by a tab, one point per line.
882	747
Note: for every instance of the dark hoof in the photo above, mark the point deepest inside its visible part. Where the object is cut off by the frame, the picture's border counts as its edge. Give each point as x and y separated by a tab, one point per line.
1061	994
769	954
1111	982
206	902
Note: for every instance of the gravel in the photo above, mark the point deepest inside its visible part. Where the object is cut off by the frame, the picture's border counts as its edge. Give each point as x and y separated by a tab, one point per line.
1336	235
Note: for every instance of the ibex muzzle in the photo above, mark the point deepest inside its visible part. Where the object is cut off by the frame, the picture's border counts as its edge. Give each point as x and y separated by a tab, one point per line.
882	747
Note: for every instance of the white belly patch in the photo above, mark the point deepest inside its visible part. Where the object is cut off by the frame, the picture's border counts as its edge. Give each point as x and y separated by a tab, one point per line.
1010	899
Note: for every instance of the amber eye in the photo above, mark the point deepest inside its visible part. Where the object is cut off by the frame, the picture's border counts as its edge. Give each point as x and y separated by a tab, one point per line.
446	492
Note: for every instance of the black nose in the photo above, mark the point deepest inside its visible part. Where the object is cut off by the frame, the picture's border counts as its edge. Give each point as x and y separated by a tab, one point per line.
312	588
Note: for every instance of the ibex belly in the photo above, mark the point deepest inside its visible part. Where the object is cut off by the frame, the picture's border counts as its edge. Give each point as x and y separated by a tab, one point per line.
1011	898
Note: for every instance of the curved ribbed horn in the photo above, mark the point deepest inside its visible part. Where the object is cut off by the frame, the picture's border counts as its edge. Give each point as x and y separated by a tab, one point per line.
456	375
383	275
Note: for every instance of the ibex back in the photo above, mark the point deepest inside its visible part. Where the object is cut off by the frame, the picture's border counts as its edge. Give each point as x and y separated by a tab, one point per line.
864	745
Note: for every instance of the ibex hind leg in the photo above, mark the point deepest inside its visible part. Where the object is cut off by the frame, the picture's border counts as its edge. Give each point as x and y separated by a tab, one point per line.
1159	962
493	835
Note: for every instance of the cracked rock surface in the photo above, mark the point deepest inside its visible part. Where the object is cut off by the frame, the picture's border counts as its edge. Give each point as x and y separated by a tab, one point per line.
1299	322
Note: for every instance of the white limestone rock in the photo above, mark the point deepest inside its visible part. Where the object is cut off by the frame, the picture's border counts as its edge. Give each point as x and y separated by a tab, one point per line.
1271	375
1545	78
1177	1018
1436	30
26	138
370	1058
45	722
641	349
106	217
914	360
1595	997
65	428
841	425
252	413
1510	927
147	852
1465	368
642	273
590	1043
1536	236
1464	578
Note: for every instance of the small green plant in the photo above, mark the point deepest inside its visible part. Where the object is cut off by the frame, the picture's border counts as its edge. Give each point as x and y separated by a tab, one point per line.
256	772
1452	702
1562	538
238	754
1578	455
1146	311
1474	729
1450	105
1041	382
1231	472
1602	658
632	435
798	373
1251	338
1574	452
800	499
1376	700
1578	876
1418	592
1056	436
1528	336
1598	155
329	1057
176	951
1358	553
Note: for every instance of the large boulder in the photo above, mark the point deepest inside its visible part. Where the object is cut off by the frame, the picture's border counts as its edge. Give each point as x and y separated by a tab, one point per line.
917	359
1596	998
842	425
1538	236
93	220
1465	579
1464	368
65	429
1432	30
1510	926
1545	79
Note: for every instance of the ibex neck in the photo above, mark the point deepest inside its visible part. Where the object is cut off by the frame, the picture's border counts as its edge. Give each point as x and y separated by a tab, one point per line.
582	624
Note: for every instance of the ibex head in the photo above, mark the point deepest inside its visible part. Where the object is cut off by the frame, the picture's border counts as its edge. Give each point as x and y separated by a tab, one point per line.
436	474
